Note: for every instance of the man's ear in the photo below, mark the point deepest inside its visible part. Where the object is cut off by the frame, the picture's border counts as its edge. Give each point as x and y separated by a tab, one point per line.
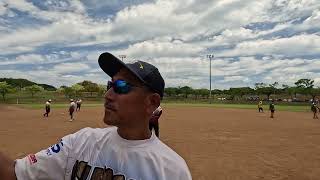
153	102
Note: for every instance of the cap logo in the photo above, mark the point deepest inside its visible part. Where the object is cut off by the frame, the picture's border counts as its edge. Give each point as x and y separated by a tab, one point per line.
141	67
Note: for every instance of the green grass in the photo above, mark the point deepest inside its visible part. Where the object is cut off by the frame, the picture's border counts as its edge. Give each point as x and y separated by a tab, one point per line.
281	107
293	108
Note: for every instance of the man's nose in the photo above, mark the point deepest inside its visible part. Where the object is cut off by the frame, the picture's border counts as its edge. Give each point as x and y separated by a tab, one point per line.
110	94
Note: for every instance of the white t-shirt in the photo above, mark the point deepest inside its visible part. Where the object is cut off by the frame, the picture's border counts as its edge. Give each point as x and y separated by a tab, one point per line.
93	153
47	104
72	105
79	101
157	111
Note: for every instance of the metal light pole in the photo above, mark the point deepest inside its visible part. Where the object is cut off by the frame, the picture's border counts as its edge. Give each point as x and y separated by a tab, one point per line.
210	56
122	57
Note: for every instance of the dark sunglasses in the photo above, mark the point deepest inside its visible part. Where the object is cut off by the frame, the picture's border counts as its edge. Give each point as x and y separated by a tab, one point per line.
120	86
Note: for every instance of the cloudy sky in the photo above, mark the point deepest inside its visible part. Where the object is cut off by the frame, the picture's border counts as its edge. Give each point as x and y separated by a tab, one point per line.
58	42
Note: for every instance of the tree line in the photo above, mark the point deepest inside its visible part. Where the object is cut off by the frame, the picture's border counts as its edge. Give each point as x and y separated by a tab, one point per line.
88	88
73	91
304	87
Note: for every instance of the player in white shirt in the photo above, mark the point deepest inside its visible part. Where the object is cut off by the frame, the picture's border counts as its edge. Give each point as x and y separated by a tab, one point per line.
47	108
126	150
79	102
154	120
72	108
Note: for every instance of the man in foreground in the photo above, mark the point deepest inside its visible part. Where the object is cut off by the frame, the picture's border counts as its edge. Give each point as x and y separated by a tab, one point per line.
128	150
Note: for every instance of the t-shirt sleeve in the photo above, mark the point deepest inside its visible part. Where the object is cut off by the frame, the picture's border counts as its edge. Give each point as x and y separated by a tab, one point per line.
49	163
185	173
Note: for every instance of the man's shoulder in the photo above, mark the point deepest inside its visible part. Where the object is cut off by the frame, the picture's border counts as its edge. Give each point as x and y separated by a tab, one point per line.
170	156
93	133
172	160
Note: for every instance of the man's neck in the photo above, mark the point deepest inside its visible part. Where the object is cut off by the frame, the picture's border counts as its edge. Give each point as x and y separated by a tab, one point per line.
134	133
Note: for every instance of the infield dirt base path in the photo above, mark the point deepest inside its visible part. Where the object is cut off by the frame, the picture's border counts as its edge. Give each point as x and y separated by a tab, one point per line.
216	143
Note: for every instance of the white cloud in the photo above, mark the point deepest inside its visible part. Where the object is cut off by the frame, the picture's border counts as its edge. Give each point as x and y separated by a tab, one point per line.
24	59
3	8
231	36
21	5
174	35
162	49
282	10
70	67
305	44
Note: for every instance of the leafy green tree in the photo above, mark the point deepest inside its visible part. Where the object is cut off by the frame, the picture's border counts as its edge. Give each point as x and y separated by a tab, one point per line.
204	93
179	91
4	89
90	86
262	88
33	89
216	91
274	86
102	89
170	91
186	90
69	92
314	92
304	83
292	91
77	88
197	93
305	86
241	91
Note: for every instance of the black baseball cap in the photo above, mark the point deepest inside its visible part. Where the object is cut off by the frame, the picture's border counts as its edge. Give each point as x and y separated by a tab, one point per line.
148	74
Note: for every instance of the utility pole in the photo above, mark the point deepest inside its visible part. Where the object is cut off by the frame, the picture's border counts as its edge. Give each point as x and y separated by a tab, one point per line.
210	56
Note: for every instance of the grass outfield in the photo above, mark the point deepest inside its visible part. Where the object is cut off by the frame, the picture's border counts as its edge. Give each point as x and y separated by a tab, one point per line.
293	108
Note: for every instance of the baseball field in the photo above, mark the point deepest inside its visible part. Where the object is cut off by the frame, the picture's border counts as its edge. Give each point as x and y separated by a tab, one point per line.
217	143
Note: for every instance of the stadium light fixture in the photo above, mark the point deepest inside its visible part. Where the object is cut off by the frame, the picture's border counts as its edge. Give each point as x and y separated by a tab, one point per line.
210	57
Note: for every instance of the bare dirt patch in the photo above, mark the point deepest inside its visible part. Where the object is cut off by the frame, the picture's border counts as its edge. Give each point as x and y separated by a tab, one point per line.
216	143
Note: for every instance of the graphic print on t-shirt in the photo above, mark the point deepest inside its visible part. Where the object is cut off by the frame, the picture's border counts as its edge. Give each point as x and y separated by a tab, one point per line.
81	170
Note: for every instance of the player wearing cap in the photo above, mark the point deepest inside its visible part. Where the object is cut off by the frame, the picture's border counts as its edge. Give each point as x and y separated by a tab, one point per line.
272	109
47	108
72	108
154	120
127	149
314	109
79	102
260	109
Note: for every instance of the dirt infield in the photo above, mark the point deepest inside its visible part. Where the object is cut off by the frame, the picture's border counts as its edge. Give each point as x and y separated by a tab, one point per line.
216	143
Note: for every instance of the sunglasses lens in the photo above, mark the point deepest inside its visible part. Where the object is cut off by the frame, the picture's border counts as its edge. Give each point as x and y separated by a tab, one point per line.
121	87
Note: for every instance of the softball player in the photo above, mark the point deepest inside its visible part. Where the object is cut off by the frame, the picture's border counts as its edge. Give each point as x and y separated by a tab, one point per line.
315	109
260	108
47	108
154	120
79	102
72	108
272	109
